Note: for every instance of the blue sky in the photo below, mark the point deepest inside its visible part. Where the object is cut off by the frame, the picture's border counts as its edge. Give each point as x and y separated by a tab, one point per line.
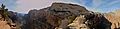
10	4
23	6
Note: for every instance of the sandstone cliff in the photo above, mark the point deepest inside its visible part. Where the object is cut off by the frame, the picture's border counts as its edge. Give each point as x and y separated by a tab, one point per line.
114	18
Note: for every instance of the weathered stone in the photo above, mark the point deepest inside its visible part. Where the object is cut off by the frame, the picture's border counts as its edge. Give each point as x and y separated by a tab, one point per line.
114	18
57	15
78	23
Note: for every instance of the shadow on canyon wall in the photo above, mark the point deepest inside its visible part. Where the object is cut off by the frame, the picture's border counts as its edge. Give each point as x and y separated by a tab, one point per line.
97	21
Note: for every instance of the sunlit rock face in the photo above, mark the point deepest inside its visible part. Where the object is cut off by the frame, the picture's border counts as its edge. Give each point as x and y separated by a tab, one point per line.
114	18
3	24
78	23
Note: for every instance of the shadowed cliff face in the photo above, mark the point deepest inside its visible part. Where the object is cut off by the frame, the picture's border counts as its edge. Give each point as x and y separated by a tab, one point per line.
97	21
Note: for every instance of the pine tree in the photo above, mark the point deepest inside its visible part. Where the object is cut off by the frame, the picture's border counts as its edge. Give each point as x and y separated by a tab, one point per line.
4	11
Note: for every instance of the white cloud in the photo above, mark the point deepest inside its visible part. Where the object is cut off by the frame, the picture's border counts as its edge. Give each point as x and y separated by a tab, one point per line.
23	6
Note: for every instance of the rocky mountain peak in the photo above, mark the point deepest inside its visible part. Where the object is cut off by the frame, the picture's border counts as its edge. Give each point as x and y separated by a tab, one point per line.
62	16
55	15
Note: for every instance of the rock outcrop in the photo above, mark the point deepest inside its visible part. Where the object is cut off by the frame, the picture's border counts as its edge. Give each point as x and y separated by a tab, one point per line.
57	15
114	18
91	21
65	16
78	23
3	24
61	16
